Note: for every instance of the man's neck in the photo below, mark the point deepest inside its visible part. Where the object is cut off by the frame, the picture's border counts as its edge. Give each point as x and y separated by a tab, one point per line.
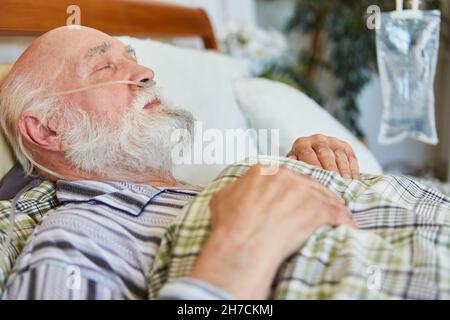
148	178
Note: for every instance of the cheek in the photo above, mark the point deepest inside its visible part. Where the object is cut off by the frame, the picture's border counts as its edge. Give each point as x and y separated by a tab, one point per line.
108	104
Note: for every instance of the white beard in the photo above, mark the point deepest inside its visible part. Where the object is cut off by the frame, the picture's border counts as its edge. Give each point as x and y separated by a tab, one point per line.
140	142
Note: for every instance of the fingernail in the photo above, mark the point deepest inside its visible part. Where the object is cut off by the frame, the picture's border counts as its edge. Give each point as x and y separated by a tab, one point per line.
347	176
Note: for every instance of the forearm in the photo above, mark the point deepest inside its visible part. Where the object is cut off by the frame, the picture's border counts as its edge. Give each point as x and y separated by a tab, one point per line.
244	270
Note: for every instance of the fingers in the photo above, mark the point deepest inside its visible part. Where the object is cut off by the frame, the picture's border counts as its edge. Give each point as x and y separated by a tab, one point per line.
289	181
329	200
345	159
306	154
354	166
264	187
343	164
301	181
326	193
338	215
327	153
310	183
326	157
353	161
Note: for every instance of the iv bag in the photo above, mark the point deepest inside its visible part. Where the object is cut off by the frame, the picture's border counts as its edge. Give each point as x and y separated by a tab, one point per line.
407	49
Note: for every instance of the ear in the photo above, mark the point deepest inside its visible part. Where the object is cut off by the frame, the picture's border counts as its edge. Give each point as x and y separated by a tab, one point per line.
39	134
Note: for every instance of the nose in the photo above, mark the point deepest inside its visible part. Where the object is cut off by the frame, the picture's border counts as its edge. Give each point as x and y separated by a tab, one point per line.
143	75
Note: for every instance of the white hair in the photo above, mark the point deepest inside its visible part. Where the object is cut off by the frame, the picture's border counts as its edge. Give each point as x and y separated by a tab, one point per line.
20	93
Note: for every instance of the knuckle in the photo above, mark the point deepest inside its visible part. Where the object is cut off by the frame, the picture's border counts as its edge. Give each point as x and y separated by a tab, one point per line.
305	153
345	172
253	174
323	151
215	198
348	149
319	137
353	158
334	216
283	173
301	142
255	169
343	214
340	152
341	210
256	166
335	141
328	215
347	146
320	144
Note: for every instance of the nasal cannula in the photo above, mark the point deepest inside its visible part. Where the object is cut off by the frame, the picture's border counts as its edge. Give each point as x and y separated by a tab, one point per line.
10	230
143	84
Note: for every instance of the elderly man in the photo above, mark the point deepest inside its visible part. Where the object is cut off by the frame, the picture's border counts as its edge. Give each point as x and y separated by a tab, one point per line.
108	149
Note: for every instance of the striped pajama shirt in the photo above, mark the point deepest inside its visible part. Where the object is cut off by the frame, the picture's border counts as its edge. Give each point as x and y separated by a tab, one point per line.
101	243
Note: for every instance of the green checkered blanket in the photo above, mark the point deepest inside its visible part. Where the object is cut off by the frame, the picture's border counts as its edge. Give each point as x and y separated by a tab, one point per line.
401	251
30	210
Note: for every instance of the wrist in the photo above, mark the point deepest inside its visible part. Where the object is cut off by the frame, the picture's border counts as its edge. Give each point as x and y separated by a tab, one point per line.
244	269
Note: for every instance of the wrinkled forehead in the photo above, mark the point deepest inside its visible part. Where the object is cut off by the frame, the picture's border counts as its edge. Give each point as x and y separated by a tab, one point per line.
80	57
62	55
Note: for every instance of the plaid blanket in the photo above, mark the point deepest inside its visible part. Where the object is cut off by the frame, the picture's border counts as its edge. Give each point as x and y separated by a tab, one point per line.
31	208
401	251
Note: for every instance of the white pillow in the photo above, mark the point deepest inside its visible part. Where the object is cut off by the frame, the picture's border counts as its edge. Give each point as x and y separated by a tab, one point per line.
201	82
273	105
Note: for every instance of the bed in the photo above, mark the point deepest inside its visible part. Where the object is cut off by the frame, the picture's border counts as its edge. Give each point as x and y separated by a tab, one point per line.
125	17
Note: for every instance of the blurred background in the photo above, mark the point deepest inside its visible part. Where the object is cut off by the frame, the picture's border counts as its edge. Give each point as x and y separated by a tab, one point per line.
325	49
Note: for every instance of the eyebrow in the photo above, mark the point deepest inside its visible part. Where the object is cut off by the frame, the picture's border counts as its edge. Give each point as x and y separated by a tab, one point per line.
130	50
99	50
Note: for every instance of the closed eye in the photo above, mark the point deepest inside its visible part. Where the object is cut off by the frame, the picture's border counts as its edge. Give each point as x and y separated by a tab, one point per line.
105	67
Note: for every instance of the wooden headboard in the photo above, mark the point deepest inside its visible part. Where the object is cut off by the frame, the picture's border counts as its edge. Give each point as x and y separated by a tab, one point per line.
115	17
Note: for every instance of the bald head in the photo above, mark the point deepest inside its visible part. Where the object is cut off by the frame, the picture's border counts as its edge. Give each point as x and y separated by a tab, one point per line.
54	59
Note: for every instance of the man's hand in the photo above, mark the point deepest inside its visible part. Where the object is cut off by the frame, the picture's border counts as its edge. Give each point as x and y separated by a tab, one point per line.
327	153
257	222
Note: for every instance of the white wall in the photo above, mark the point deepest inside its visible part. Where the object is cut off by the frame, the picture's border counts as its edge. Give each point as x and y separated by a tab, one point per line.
224	11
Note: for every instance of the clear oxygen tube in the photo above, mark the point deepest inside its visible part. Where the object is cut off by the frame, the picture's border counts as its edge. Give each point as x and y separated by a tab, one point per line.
12	216
142	84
